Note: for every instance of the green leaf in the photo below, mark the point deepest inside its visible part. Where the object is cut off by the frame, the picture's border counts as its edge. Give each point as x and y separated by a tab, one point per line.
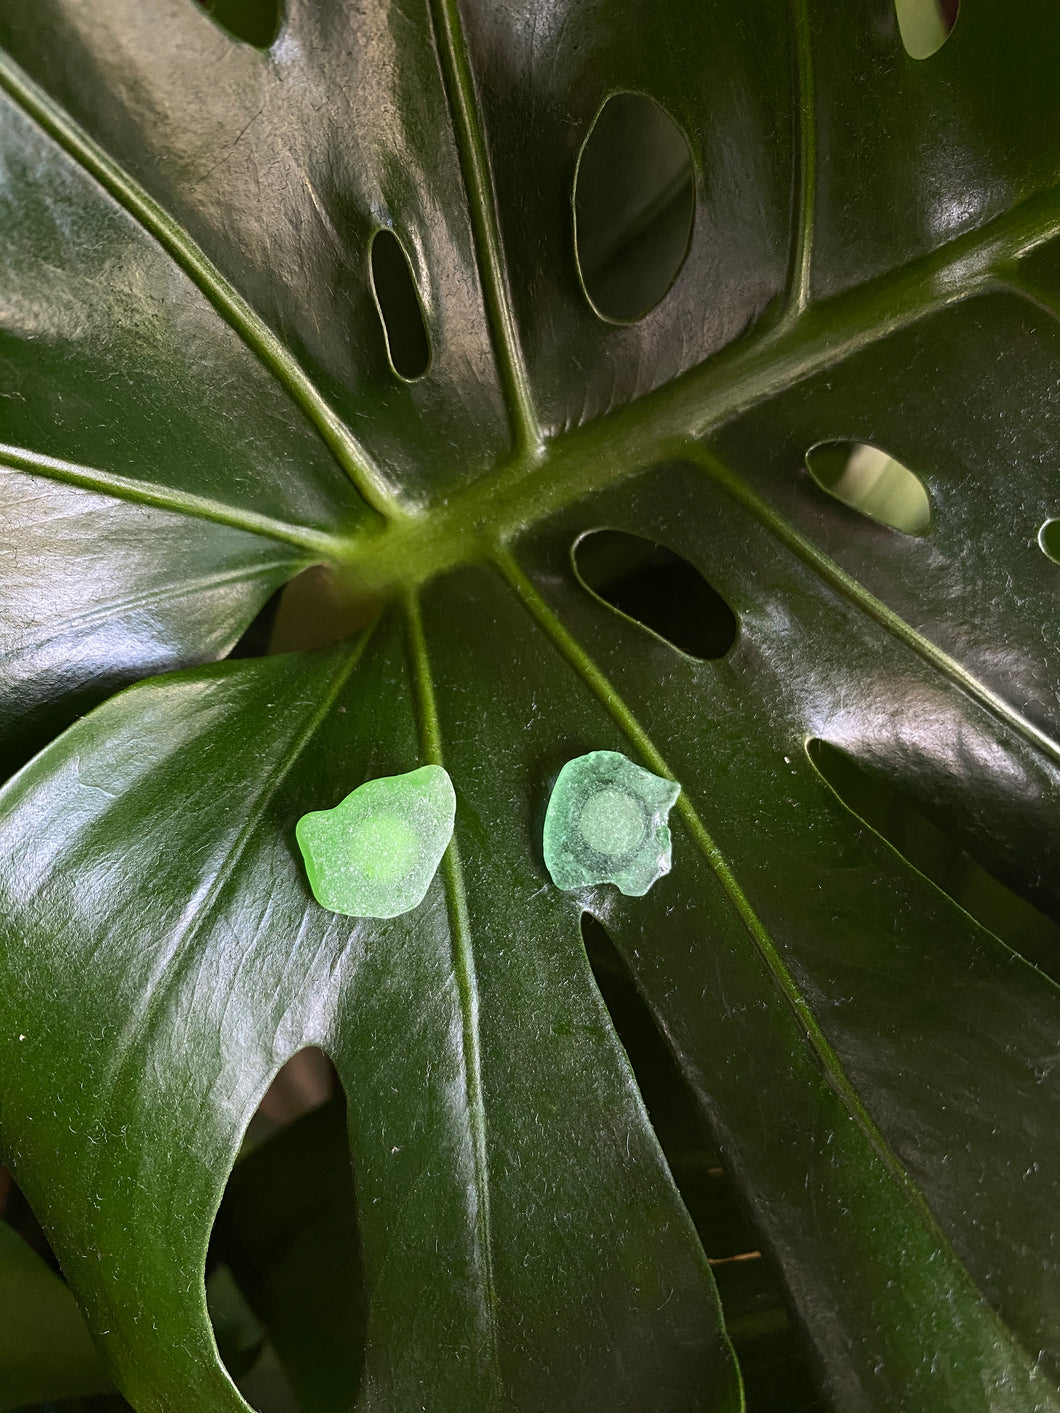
239	1336
199	402
45	1350
287	1229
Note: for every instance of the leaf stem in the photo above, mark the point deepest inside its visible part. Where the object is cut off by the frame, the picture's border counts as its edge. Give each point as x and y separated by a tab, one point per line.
665	424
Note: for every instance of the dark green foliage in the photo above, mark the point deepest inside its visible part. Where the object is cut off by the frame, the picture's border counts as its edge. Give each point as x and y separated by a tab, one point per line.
197	405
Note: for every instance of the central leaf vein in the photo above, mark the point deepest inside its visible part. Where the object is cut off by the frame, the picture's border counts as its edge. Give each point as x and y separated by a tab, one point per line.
466	980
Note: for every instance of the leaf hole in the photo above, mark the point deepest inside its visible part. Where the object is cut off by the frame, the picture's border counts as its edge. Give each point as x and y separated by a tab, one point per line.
634	207
400	310
873	483
312	610
19	1215
46	1352
925	25
756	1316
255	22
935	854
257	635
284	1284
658	589
1049	540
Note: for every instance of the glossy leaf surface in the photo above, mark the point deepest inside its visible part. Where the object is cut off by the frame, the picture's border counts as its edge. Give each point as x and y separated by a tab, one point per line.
198	403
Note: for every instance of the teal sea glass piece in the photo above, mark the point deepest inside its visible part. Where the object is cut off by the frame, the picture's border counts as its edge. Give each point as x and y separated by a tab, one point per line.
606	823
375	853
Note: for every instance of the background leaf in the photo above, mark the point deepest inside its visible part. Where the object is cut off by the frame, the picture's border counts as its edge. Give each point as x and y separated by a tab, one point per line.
45	1349
287	1230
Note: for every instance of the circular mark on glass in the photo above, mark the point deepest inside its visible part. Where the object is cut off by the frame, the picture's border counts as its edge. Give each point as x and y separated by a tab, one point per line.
634	207
400	311
872	482
612	822
925	25
255	22
657	589
383	847
1049	540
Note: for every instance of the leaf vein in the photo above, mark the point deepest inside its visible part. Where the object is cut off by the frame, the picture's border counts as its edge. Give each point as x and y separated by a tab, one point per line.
874	608
467	982
166	594
255	333
474	162
601	687
170	968
831	1066
806	165
139	492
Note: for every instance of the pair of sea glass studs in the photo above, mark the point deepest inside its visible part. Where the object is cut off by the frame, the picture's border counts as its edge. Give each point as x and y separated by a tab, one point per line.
375	853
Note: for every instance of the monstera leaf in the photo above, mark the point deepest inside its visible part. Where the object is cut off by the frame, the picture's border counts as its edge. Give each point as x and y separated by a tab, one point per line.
216	372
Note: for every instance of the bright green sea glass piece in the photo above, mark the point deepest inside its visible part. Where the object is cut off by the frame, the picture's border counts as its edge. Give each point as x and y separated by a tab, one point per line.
606	823
374	855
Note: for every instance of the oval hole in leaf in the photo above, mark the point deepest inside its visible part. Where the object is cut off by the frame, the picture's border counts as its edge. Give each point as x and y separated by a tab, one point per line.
932	852
925	25
400	311
256	22
752	1299
658	589
284	1280
1049	540
871	481
634	207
